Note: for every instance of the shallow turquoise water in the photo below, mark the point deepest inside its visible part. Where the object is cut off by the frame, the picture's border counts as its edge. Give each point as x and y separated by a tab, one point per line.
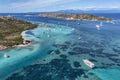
23	56
102	47
107	74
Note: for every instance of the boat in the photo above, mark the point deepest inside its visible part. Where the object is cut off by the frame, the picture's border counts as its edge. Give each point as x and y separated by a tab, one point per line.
98	27
52	52
6	56
89	63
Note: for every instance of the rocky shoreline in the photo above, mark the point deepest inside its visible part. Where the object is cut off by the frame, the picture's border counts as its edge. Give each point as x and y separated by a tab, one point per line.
2	47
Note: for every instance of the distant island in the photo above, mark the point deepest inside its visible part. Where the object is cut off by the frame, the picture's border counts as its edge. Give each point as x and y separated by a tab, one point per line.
75	16
10	31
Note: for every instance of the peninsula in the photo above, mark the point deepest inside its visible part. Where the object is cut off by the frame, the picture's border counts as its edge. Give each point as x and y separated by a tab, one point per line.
75	16
10	31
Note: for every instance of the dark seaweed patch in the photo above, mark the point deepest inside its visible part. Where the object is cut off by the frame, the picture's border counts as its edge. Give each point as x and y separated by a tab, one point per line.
91	73
73	53
67	43
103	63
44	60
76	49
61	46
116	60
118	64
81	50
99	51
99	55
57	69
63	56
110	55
109	65
85	76
92	55
57	51
116	50
76	64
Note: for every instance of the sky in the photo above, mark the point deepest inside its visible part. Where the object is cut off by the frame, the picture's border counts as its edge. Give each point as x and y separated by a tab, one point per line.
55	5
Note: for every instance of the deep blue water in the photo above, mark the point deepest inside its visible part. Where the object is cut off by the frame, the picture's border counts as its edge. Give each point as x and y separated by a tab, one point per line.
100	46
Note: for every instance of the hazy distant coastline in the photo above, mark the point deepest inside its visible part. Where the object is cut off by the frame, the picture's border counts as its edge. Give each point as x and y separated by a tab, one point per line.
75	16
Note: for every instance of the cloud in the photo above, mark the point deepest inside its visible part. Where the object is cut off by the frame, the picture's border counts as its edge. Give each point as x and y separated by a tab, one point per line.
39	5
51	5
31	3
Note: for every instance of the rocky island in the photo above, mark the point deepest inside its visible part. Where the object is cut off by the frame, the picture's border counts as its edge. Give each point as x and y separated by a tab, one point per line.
75	16
10	31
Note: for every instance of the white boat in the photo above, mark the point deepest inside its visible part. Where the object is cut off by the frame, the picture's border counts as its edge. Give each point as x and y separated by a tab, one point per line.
6	56
89	63
98	27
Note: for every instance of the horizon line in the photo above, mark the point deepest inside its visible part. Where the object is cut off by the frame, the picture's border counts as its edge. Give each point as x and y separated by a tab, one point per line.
87	9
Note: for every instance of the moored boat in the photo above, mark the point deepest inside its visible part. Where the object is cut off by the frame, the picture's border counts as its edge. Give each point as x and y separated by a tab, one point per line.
98	27
89	63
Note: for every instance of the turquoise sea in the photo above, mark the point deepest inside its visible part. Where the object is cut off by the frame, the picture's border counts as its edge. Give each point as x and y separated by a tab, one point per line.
59	47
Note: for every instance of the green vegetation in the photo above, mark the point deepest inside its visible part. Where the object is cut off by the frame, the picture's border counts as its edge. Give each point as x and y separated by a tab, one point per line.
10	31
75	16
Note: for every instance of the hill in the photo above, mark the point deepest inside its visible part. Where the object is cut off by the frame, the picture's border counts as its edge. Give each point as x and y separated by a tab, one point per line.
75	16
10	31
